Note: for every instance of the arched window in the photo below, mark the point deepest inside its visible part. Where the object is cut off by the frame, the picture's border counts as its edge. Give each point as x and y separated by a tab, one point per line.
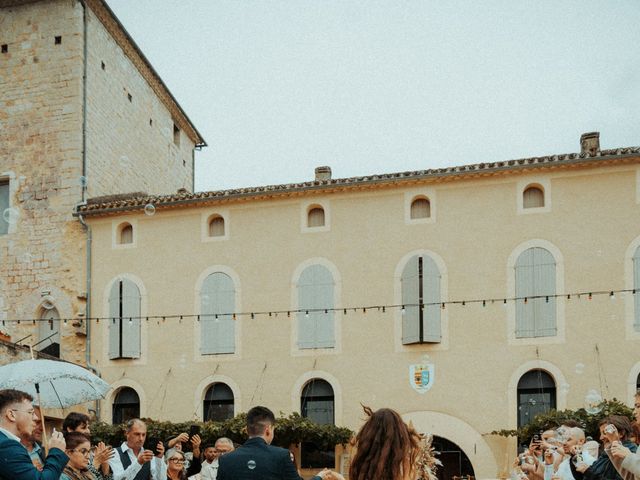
636	288
126	405
420	284
315	301
218	303
536	394
535	280
317	403
124	320
315	217
420	208
216	226
125	235
218	403
532	197
49	332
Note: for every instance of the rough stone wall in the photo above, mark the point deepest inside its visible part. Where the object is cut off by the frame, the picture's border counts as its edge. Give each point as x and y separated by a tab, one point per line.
41	155
130	132
41	120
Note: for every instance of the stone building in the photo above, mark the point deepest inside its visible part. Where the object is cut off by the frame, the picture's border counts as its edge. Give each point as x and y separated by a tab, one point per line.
82	114
516	278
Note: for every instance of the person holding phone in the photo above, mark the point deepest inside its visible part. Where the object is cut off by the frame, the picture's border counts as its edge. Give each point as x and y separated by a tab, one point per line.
133	461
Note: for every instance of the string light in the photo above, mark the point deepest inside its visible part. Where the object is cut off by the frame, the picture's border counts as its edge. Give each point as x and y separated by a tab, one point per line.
402	307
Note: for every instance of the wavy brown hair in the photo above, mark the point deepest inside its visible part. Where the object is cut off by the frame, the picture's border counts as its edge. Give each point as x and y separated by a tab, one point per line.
386	448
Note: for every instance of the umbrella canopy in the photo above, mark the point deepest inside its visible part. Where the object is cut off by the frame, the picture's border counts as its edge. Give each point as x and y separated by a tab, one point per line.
61	384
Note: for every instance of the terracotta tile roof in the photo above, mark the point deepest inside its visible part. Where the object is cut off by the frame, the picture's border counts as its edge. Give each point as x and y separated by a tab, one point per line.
137	200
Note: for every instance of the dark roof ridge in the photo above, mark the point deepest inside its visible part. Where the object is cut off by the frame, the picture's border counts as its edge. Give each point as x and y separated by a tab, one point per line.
131	201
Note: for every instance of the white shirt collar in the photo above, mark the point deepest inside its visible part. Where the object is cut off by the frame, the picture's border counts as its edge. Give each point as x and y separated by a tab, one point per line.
10	435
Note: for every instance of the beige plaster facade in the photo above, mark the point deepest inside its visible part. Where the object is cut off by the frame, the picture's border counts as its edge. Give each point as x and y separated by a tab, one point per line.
477	230
63	139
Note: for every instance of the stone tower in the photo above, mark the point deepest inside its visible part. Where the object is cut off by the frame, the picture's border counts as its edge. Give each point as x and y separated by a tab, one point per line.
82	114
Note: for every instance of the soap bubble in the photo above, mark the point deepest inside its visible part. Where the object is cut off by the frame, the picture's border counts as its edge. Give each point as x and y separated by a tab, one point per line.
48	302
149	209
579	368
11	216
593	402
26	257
83	181
124	161
565	387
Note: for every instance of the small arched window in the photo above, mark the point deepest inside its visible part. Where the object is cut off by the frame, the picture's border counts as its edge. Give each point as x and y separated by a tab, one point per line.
216	226
218	403
49	332
420	208
126	405
533	197
536	394
125	234
315	217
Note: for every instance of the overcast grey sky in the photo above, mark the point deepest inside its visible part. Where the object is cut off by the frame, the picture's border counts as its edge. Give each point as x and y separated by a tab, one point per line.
279	87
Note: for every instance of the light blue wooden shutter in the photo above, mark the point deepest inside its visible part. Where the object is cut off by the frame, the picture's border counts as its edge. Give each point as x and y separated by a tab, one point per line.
130	319
636	286
114	326
535	273
316	292
409	283
431	297
4	204
218	297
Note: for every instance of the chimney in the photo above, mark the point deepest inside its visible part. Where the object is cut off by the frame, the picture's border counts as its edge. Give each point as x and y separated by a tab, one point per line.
590	143
323	173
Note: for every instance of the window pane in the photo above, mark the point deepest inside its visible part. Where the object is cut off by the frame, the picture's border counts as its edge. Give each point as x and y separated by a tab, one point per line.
218	403
420	208
316	217
533	197
216	227
4	204
49	332
126	234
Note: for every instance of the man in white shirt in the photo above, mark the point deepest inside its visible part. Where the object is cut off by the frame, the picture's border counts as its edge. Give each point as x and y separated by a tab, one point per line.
132	461
211	454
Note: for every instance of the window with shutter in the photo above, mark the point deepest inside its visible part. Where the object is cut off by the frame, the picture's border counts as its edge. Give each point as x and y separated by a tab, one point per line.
420	208
316	301
217	305
124	320
421	299
533	197
4	205
535	279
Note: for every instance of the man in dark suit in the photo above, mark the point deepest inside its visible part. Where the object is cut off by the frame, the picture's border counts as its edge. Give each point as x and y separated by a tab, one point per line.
17	418
257	459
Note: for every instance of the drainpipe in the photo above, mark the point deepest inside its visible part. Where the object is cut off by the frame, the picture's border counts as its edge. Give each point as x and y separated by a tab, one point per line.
86	227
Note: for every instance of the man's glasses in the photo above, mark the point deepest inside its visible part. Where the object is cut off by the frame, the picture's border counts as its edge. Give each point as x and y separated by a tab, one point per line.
31	412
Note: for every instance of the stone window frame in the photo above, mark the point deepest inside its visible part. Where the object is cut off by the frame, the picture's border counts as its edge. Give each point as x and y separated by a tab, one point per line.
9	178
544	184
116	230
306	207
414	194
205	219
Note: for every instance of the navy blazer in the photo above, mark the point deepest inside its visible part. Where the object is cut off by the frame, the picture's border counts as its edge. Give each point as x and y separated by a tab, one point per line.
15	463
257	460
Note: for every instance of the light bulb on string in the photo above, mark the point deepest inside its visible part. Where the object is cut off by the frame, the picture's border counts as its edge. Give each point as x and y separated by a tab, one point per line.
252	316
403	310
612	296
590	296
306	314
484	303
383	309
442	306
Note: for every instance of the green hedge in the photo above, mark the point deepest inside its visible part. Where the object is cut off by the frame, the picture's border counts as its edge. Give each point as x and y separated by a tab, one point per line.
289	430
555	418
